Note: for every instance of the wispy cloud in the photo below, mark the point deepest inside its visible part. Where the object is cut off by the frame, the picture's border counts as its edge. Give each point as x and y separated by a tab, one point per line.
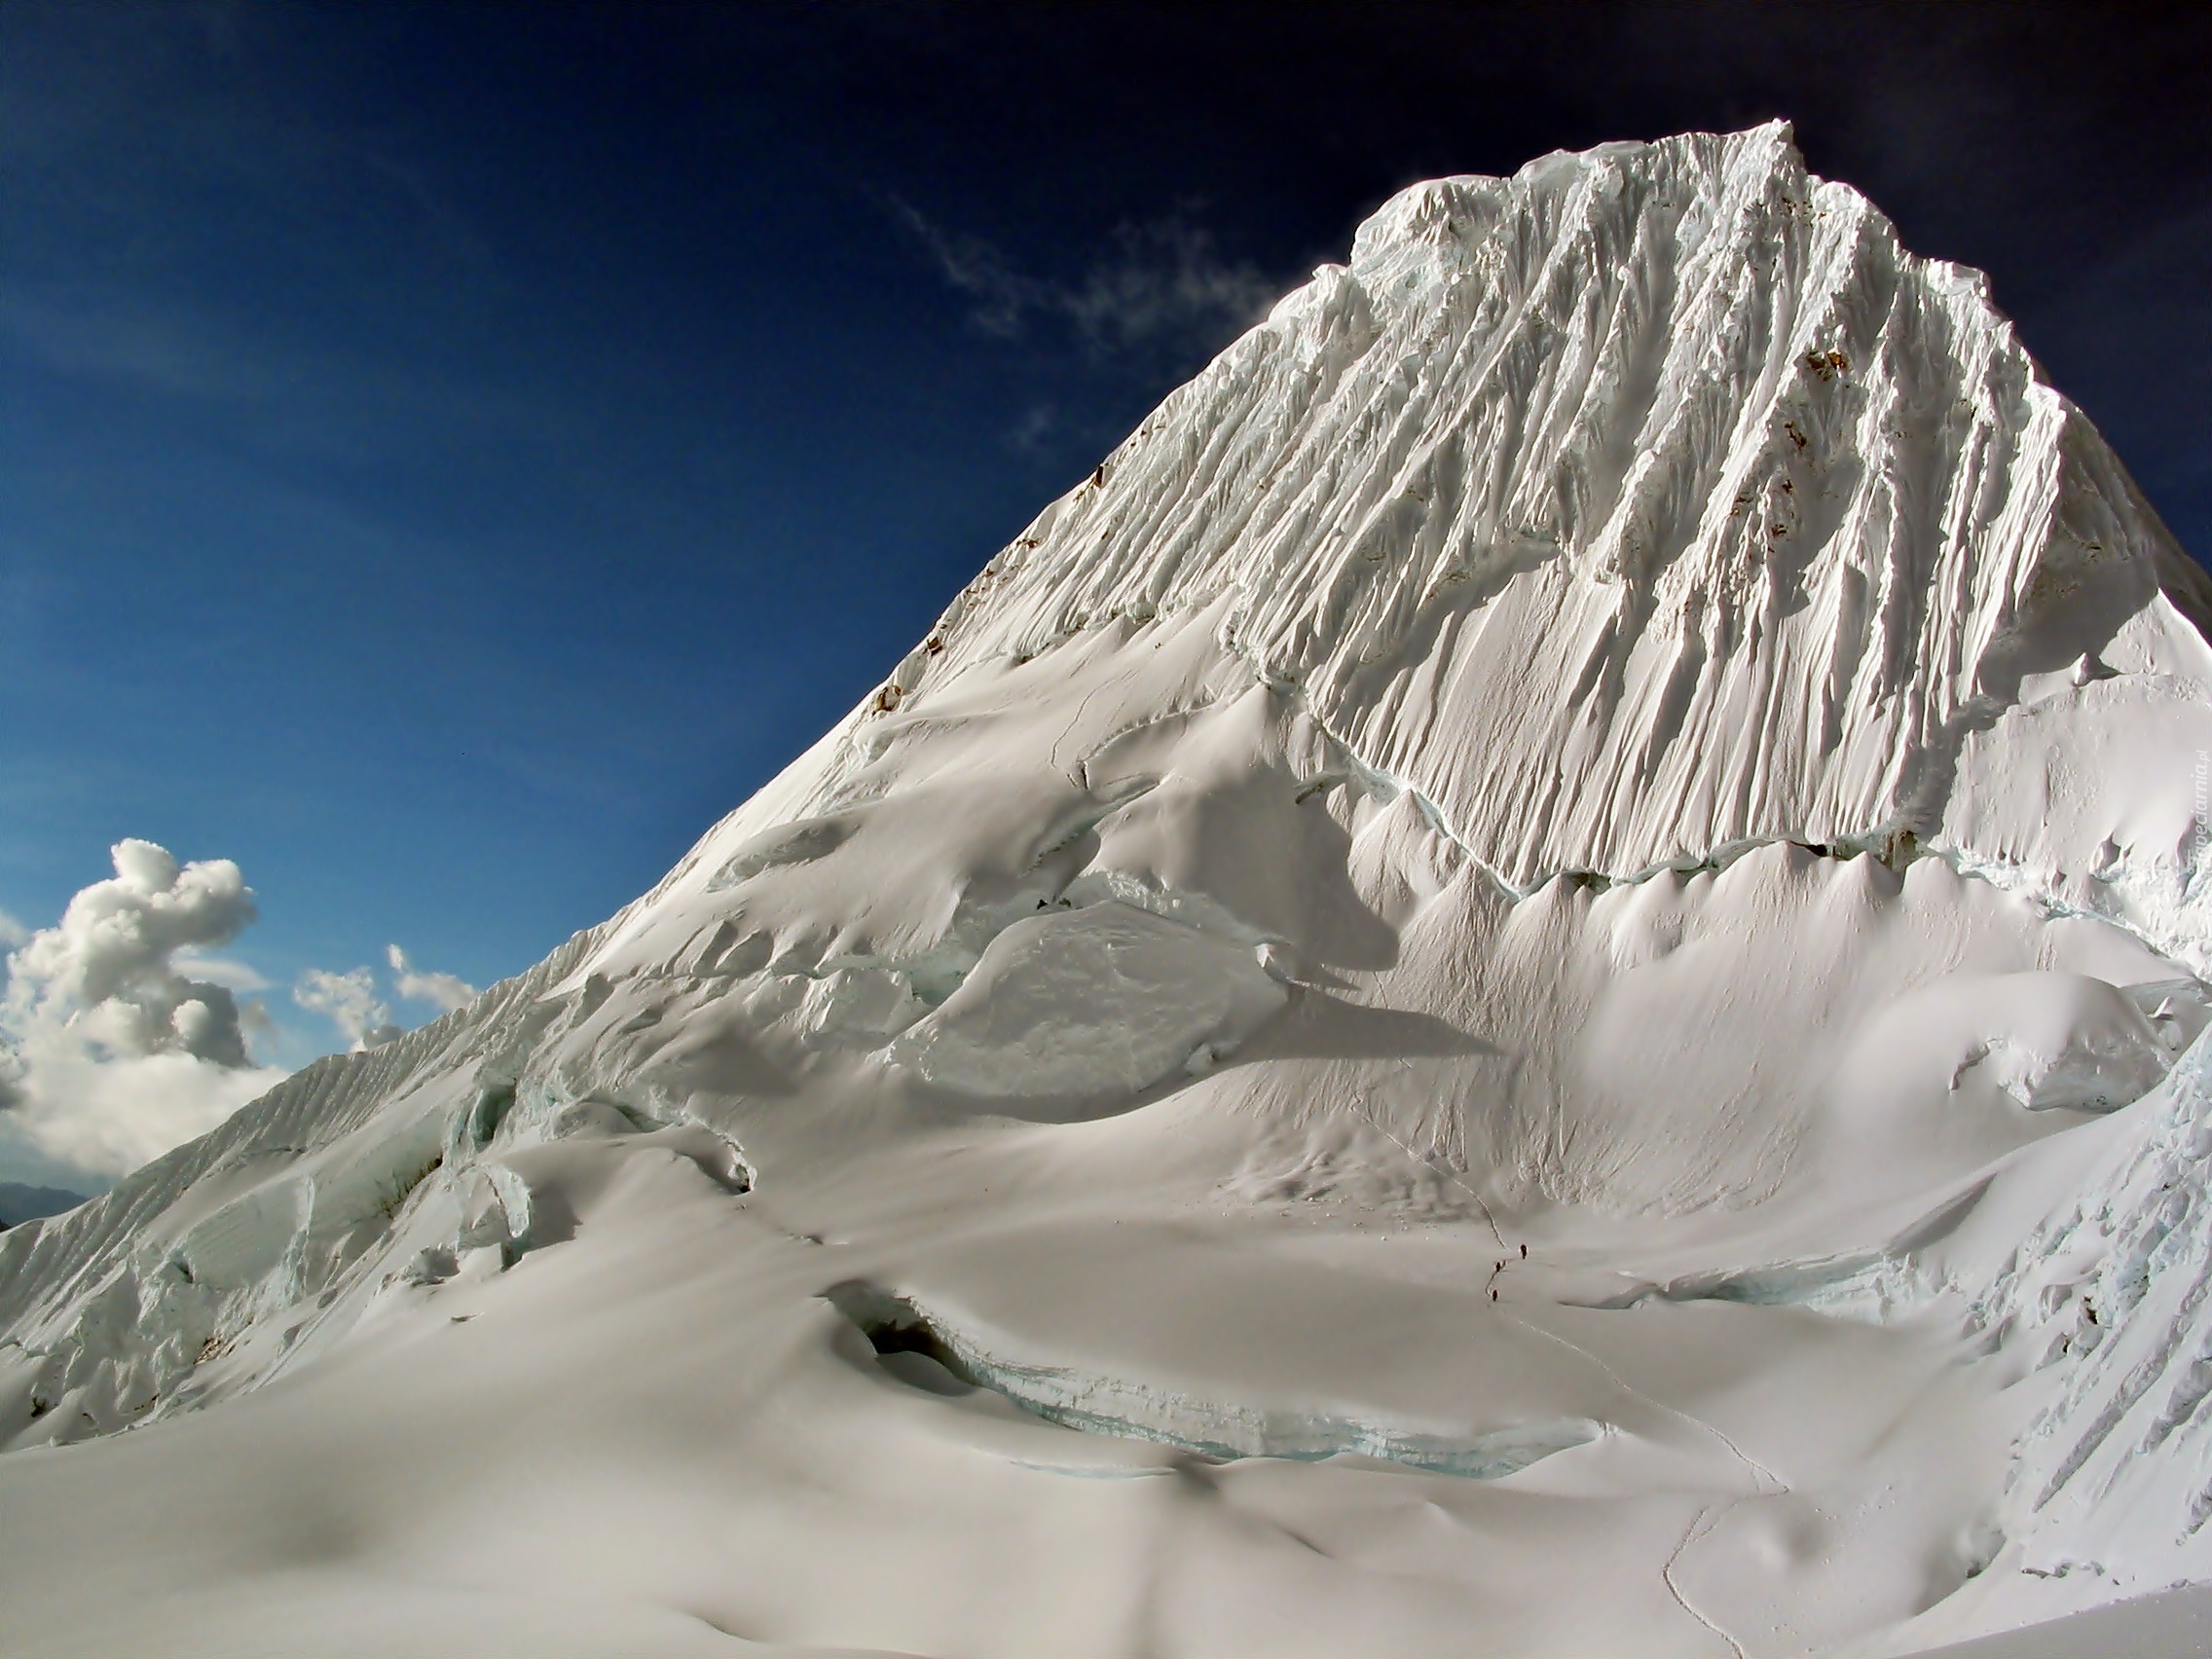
286	396
1032	434
1003	295
447	991
349	1002
352	1000
1161	281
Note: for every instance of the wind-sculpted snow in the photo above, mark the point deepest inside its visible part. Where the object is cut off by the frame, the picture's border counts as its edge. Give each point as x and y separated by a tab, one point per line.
1648	501
1548	937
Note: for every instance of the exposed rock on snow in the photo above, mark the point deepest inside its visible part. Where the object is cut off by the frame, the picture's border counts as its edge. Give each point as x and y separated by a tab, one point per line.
1580	866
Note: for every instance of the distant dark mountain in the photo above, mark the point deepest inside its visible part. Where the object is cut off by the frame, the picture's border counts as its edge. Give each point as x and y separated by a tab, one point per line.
20	1203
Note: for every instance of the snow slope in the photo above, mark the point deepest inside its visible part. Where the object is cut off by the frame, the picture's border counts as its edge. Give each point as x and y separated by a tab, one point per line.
1526	985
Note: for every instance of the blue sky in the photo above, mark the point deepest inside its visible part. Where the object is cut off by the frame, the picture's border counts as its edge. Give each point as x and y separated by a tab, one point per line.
450	455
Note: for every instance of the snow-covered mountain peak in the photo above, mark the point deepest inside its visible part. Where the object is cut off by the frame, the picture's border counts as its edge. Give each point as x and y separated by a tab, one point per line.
1649	502
1449	221
1546	935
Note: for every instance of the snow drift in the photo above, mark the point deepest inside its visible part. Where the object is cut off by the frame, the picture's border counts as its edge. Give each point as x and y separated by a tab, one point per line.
1528	983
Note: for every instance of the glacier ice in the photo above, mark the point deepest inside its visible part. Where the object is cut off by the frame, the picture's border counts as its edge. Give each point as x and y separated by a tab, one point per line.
1102	1405
1102	1001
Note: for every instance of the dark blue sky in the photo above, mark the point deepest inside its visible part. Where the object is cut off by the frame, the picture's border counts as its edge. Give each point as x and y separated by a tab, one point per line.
451	454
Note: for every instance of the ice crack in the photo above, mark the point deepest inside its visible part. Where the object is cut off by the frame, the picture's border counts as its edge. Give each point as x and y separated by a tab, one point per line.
897	1325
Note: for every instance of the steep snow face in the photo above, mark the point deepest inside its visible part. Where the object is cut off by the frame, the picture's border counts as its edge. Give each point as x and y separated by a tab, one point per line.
1546	937
1649	501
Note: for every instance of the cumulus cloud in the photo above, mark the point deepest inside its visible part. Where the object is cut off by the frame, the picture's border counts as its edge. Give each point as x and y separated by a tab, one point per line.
447	990
115	1050
124	1032
1162	281
107	969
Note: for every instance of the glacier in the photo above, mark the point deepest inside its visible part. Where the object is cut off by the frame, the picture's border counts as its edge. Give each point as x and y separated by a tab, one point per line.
1529	983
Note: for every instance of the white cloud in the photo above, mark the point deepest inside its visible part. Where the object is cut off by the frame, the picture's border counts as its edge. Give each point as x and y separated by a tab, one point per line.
122	1030
1164	280
353	1003
107	967
115	1050
1161	281
350	1001
99	1115
447	990
1003	295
